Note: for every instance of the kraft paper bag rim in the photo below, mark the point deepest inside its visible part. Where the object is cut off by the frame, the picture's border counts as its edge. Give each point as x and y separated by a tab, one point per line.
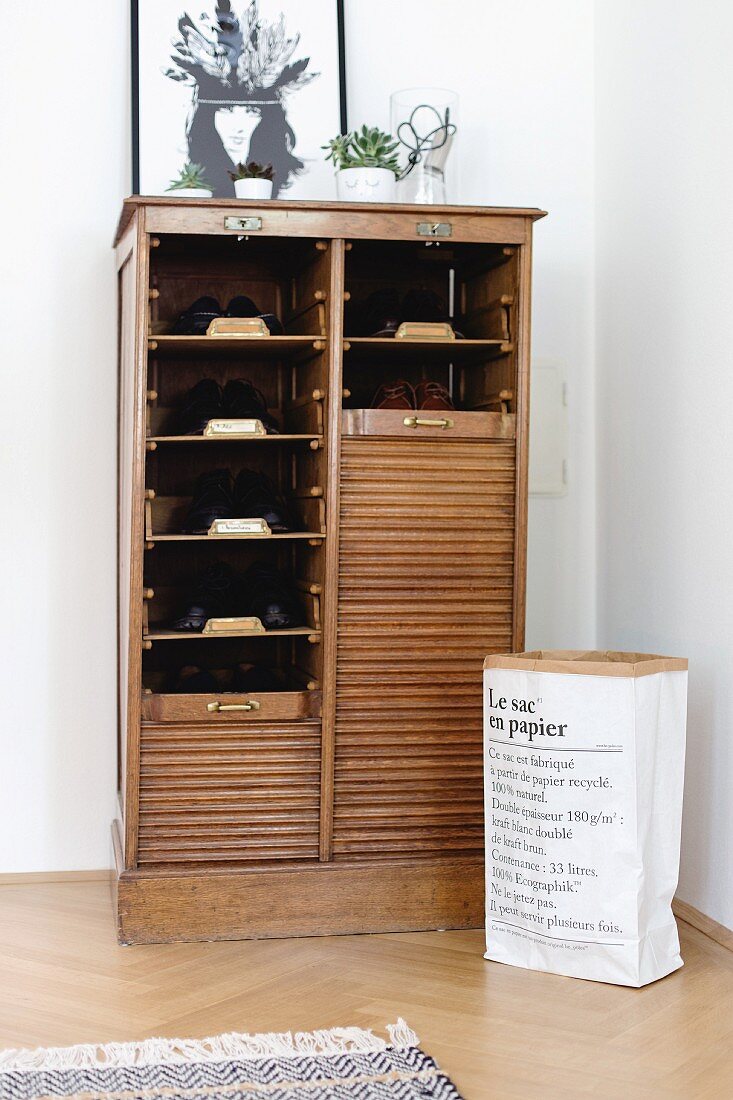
582	662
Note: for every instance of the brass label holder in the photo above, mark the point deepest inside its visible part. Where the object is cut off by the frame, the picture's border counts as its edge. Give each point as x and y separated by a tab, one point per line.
233	429
232	528
243	225
245	327
425	330
237	624
434	229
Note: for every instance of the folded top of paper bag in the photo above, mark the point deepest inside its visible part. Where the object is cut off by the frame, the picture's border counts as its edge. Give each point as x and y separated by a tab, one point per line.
588	662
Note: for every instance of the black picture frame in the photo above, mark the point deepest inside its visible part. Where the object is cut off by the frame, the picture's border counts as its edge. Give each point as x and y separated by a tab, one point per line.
135	81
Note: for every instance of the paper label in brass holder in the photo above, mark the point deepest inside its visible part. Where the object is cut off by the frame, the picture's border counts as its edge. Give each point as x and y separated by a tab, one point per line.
247	327
234	428
256	528
434	229
425	330
251	224
238	624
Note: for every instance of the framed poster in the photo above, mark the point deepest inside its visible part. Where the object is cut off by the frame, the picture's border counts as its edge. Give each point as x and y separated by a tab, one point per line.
218	84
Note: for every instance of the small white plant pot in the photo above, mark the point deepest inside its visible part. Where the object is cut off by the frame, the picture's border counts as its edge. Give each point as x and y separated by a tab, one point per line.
365	184
190	193
253	189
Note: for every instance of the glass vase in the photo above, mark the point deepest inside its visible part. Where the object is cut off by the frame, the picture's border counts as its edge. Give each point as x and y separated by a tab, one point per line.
425	122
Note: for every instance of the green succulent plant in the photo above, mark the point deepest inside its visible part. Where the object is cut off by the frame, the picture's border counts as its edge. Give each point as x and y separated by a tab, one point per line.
369	147
338	151
252	171
191	175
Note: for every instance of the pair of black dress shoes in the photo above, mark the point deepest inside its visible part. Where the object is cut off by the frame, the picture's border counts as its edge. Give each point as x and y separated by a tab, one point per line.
242	679
251	495
382	313
195	320
262	591
238	400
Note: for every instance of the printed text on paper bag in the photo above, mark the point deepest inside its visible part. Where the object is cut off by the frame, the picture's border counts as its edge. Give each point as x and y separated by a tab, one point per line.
552	810
522	727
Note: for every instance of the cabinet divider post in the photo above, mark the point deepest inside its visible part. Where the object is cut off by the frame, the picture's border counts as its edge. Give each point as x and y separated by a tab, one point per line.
332	459
519	600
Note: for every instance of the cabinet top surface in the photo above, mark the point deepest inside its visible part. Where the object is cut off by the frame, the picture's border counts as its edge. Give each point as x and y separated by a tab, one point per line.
428	213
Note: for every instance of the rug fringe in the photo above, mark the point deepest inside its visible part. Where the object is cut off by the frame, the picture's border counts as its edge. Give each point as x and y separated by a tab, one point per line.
217	1048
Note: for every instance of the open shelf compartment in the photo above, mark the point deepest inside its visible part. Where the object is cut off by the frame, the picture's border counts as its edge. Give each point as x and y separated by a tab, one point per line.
478	287
287	277
165	516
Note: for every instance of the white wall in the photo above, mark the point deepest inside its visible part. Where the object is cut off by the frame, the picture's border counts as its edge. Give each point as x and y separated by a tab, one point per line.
66	167
524	74
665	382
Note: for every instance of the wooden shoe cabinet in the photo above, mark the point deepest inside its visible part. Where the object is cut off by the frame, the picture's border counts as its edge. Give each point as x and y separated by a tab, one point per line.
351	799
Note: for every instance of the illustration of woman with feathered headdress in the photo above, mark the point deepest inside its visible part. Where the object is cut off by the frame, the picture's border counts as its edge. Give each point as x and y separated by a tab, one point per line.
240	72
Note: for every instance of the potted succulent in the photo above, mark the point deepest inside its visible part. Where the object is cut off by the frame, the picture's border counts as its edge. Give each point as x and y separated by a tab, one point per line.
191	183
253	180
366	164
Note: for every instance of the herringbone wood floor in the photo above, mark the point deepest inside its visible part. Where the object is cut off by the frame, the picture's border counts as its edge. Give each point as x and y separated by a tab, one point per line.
501	1033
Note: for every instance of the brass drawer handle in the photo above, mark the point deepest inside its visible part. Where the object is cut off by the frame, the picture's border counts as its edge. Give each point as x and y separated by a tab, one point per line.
424	422
216	708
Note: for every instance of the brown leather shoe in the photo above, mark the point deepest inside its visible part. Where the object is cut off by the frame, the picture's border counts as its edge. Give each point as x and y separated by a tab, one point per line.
394	395
431	395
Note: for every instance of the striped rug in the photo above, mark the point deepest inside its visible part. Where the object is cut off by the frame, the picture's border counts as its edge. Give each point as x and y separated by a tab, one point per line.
340	1064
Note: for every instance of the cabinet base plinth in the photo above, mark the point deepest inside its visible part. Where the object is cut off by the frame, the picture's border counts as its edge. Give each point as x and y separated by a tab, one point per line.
325	900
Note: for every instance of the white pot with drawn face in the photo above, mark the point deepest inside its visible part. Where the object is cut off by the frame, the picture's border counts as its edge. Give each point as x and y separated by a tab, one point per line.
366	184
235	126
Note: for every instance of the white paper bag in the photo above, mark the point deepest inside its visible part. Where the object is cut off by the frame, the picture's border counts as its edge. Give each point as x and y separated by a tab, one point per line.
584	761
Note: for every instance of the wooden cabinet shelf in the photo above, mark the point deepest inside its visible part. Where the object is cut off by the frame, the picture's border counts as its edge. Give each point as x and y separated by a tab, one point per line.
351	800
214	439
191	636
287	536
209	347
377	350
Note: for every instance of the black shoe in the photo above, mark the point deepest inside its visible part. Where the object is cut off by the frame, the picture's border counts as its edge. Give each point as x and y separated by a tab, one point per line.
243	401
192	680
201	404
381	315
195	320
212	595
425	305
271	597
252	678
242	306
255	497
212	499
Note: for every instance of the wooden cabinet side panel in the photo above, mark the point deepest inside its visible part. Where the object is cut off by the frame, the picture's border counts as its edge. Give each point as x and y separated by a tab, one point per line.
125	405
132	268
